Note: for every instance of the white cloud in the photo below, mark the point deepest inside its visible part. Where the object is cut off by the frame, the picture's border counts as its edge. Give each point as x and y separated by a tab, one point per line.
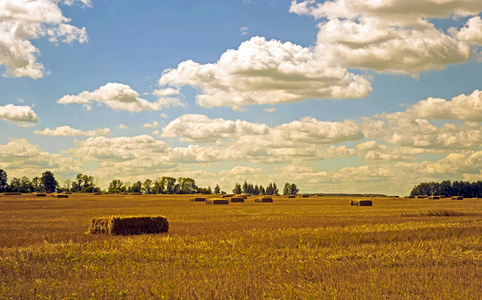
163	115
24	20
244	30
199	128
122	126
118	97
266	72
69	131
153	125
22	115
270	109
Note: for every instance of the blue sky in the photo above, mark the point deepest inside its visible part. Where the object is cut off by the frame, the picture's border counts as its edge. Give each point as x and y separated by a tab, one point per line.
336	96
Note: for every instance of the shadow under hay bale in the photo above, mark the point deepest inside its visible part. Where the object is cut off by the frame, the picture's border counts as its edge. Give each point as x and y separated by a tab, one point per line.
291	196
40	195
266	199
457	198
433	197
217	201
237	199
128	225
60	196
197	199
409	197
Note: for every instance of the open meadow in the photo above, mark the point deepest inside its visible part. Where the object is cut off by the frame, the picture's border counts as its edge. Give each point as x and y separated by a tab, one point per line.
302	248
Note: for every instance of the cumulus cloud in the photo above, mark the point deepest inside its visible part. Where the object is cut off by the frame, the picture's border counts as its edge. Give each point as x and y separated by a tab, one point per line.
199	128
266	72
22	115
153	125
24	20
33	161
69	131
122	126
118	97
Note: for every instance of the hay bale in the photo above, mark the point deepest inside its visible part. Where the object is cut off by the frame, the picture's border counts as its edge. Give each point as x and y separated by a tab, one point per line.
136	194
265	199
227	195
291	196
457	198
365	203
409	197
420	197
197	199
128	225
237	199
433	197
12	193
60	196
214	201
67	193
305	196
96	194
40	194
354	202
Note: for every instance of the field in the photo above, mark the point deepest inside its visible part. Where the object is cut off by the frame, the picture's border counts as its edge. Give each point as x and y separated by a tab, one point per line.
303	248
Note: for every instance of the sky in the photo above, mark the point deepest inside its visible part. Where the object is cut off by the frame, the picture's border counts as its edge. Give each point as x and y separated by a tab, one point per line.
336	96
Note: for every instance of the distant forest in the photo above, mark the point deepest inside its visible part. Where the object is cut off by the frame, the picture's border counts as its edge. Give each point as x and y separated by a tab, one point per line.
447	188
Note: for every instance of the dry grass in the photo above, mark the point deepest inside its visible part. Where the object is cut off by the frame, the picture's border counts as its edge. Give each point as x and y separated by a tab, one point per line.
304	248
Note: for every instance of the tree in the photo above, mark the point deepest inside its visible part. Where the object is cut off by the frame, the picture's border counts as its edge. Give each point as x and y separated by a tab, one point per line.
245	188
294	189
275	189
168	183
116	186
67	183
237	188
48	181
187	185
146	186
158	187
136	187
3	180
217	189
37	184
287	189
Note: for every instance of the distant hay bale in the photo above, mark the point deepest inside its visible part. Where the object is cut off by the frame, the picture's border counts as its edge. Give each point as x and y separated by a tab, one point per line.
237	199
128	225
125	193
395	196
12	194
197	199
67	193
213	201
245	196
433	197
409	197
60	196
319	195
265	199
228	195
457	198
96	194
136	193
361	203
291	196
40	194
420	197
305	196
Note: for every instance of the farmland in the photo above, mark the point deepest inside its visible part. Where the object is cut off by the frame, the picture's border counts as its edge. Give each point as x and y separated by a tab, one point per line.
302	248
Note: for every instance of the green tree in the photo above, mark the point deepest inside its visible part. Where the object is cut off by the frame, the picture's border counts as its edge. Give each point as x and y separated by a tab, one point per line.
168	183
37	184
48	181
187	185
147	186
217	189
237	188
3	180
287	189
116	186
136	187
294	189
275	189
158	187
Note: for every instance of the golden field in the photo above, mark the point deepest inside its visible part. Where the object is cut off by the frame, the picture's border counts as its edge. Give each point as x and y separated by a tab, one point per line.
302	248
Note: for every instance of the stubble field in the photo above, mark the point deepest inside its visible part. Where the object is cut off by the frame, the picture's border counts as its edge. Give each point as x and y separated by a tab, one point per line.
303	248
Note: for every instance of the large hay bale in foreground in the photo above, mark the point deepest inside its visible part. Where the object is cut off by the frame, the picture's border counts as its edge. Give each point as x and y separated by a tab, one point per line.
213	201
457	198
197	199
40	195
60	196
237	199
128	225
265	199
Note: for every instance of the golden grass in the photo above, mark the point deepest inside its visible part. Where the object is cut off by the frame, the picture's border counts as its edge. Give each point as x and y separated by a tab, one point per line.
303	248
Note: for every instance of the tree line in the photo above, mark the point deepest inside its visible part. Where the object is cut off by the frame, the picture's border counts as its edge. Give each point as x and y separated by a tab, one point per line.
447	188
164	185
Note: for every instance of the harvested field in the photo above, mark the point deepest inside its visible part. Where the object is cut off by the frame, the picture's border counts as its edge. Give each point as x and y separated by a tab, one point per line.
303	248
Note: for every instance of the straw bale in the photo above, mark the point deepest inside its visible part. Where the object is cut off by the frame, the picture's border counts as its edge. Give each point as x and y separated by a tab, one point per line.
433	197
265	199
60	196
136	193
96	194
197	199
227	195
237	199
40	195
214	201
457	198
12	194
67	193
409	197
291	196
365	203
354	202
305	196
118	225
420	197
